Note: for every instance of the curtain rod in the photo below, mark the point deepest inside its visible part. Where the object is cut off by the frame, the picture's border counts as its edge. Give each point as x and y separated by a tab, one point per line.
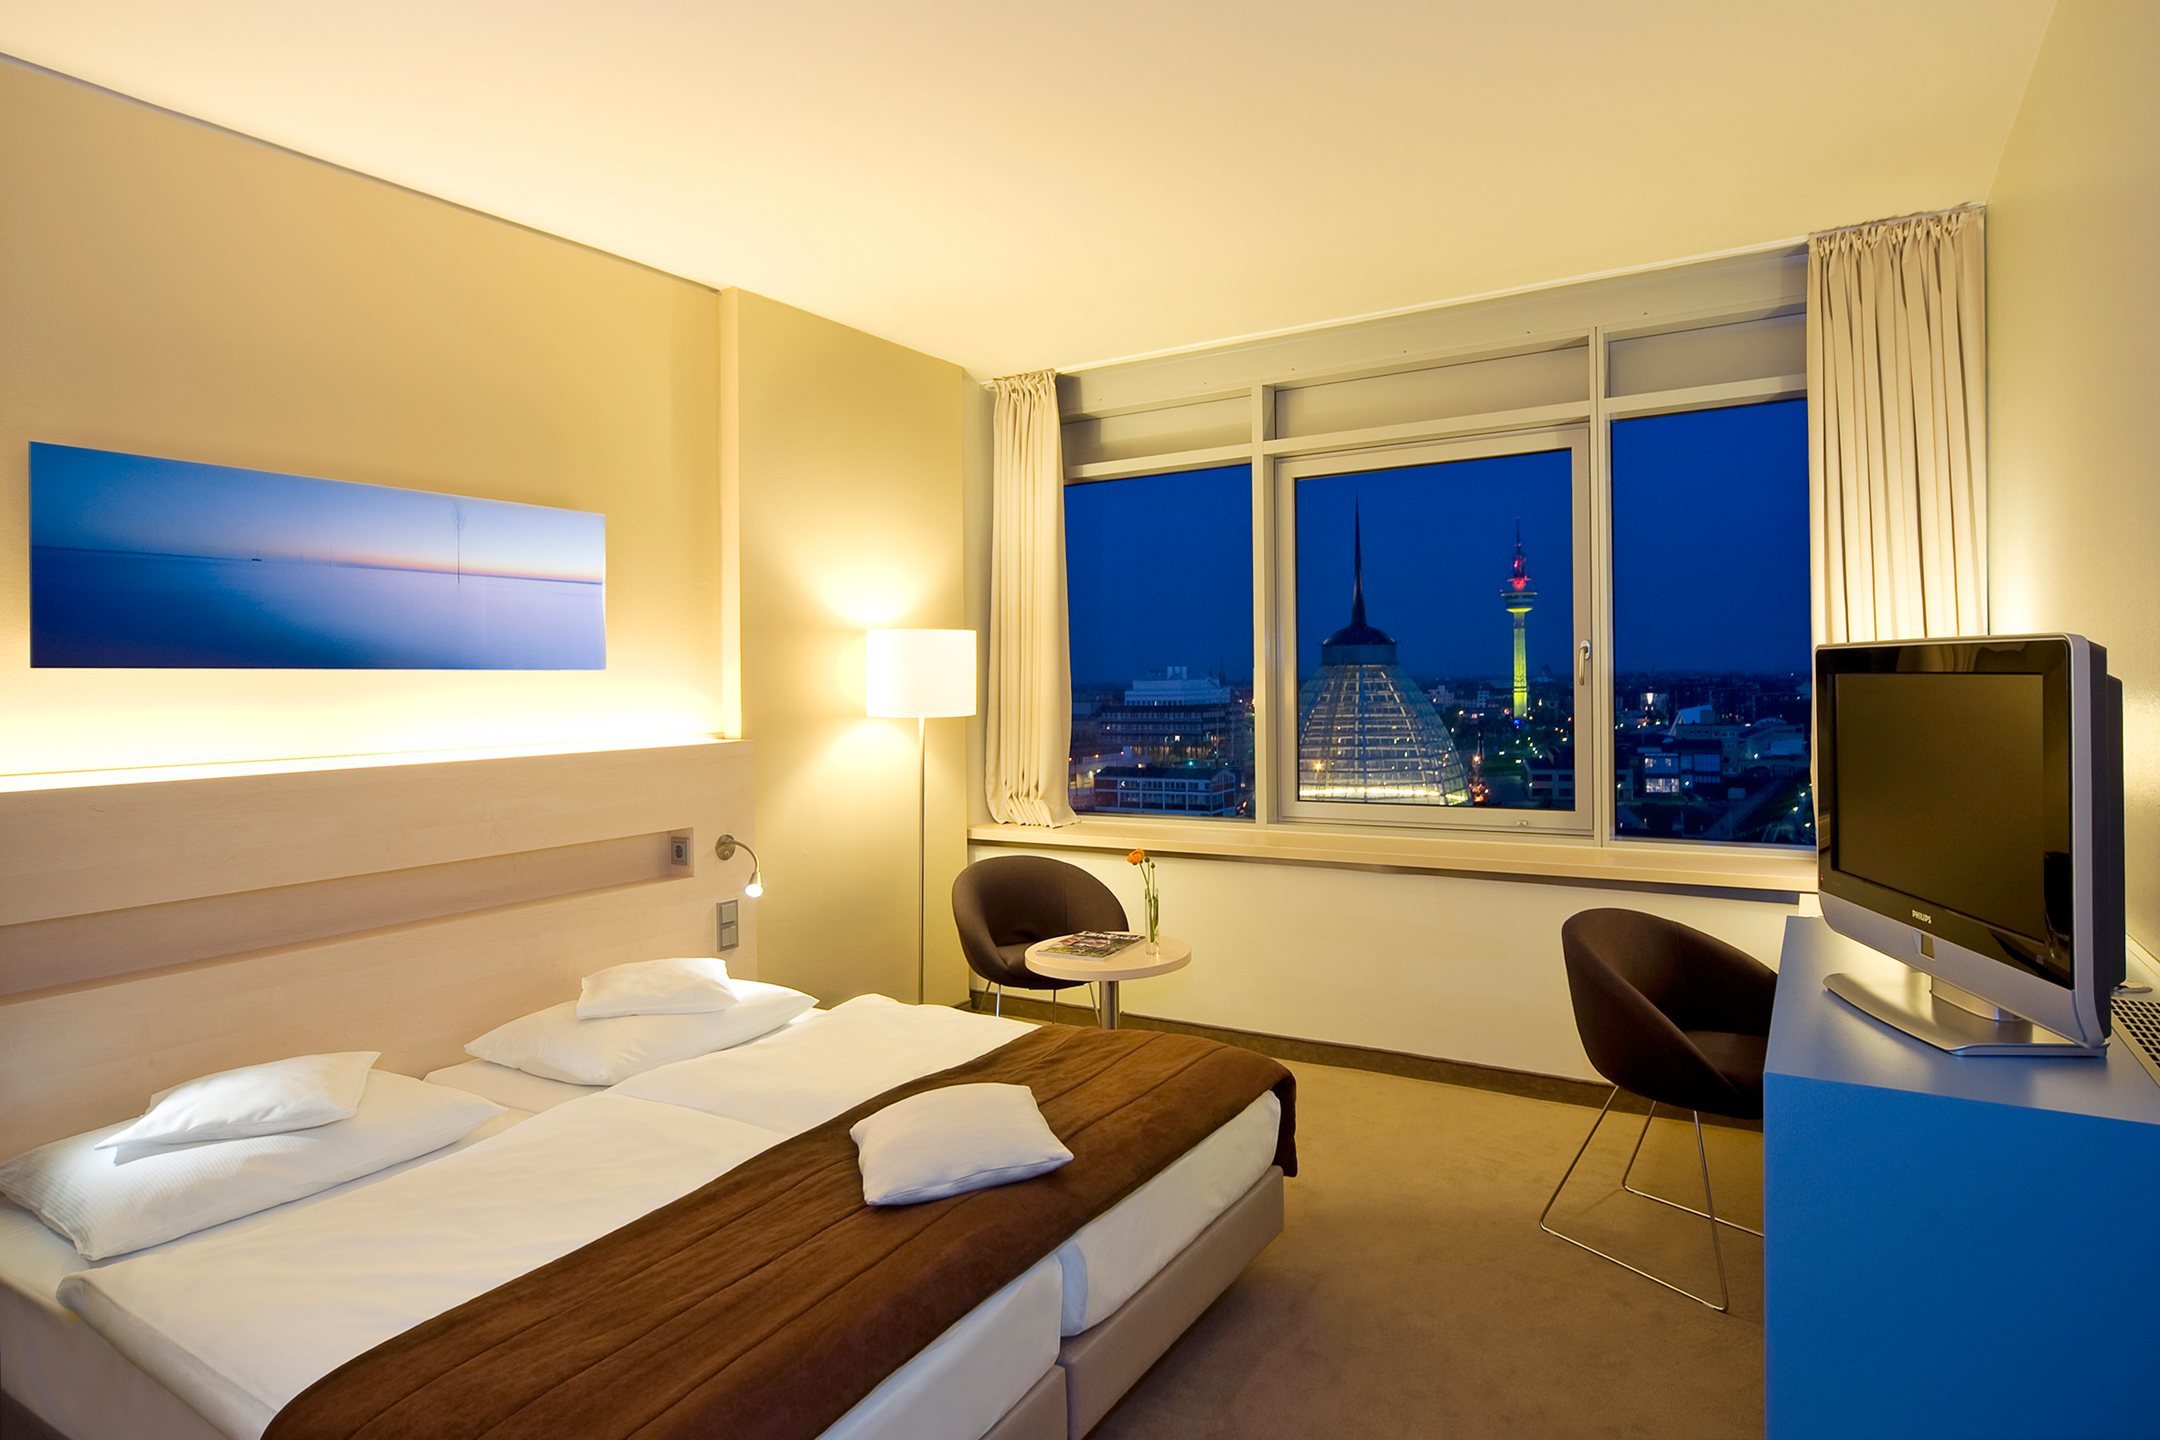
1970	206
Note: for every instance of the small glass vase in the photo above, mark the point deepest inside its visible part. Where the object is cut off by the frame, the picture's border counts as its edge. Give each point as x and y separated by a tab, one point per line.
1153	907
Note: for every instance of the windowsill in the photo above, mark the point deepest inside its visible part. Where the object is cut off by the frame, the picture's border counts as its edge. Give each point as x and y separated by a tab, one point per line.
1651	863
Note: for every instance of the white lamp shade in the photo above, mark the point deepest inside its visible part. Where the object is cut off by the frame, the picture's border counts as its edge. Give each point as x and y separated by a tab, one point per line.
917	674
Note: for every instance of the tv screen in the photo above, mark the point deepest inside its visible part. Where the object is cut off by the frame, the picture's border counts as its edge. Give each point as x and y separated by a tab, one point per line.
1952	790
1968	805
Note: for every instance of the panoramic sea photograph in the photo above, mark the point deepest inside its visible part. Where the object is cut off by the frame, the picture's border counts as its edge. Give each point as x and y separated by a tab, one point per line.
139	562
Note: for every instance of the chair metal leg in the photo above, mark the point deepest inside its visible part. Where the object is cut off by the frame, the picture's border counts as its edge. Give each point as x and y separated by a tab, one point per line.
1646	1195
997	1006
1717	1249
1603	1110
1724	1301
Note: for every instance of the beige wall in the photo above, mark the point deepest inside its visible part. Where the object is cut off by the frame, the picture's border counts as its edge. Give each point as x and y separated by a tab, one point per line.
168	288
2074	366
1451	966
843	458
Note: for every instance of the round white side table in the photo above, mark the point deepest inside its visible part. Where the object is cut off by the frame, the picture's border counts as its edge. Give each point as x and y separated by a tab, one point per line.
1134	962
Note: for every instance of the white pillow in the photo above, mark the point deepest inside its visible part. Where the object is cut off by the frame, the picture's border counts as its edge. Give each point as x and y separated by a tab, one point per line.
555	1043
271	1099
953	1140
693	985
109	1208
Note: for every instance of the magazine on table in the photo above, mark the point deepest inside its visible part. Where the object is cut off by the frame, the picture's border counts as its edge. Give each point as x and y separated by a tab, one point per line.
1093	944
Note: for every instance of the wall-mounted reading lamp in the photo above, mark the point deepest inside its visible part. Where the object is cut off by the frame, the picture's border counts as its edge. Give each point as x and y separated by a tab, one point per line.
725	847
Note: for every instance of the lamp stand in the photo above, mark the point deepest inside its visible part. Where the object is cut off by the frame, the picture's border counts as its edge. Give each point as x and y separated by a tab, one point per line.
922	855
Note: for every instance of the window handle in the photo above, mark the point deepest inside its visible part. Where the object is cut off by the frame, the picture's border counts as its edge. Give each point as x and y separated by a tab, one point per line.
1582	663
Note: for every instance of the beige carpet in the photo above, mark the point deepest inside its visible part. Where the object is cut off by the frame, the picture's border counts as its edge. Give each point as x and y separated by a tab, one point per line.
1412	1294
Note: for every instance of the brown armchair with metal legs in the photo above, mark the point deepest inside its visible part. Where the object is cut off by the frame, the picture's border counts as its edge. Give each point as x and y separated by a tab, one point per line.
1681	1019
1003	905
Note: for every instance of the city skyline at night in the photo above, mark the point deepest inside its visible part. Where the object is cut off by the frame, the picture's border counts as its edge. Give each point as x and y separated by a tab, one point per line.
1448	567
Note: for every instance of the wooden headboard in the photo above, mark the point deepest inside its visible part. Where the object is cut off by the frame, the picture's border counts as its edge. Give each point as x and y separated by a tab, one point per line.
158	929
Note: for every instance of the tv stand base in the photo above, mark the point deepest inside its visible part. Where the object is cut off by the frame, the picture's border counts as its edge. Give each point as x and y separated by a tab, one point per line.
1908	1002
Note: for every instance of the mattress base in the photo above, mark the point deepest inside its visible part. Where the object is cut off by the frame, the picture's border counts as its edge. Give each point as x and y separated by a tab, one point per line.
1104	1362
1037	1415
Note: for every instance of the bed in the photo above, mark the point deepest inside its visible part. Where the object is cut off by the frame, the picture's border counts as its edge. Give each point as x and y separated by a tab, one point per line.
165	927
215	1333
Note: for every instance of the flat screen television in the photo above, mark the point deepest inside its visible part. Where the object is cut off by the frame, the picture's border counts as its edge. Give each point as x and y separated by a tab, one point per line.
1969	803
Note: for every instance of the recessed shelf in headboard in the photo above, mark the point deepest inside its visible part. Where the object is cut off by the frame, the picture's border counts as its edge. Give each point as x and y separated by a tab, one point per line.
73	951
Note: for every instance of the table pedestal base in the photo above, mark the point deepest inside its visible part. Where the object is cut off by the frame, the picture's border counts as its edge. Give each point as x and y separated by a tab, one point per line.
1109	1004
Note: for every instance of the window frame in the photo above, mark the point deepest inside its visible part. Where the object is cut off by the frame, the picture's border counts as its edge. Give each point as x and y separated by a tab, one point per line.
1282	823
1575	440
1144	468
1635	407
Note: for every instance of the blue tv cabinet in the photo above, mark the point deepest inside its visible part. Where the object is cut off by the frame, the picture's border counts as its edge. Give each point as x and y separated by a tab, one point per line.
1957	1246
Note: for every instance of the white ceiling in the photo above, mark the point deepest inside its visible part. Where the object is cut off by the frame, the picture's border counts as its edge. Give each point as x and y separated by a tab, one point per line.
1018	184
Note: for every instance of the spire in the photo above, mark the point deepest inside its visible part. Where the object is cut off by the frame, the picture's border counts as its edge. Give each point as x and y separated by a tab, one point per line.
1357	643
1357	563
1519	573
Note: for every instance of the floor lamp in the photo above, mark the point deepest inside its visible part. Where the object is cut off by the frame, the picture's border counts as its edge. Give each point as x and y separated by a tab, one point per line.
920	675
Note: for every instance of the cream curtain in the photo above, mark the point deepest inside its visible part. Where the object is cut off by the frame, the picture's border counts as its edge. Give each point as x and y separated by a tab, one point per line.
1897	441
1029	732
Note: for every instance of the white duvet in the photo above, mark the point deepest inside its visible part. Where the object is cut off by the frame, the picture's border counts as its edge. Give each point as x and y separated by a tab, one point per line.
800	1077
239	1322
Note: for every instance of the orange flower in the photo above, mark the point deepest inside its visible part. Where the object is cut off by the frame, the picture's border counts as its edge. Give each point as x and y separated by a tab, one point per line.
1136	857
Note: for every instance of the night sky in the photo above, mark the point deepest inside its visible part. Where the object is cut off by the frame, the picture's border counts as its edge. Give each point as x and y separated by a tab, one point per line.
1438	543
1159	572
1710	571
1710	541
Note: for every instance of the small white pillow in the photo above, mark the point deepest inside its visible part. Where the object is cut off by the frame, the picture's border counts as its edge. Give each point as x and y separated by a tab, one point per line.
271	1099
555	1043
109	1208
693	985
953	1140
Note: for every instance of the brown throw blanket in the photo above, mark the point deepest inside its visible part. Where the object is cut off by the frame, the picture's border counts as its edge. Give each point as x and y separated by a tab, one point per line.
769	1302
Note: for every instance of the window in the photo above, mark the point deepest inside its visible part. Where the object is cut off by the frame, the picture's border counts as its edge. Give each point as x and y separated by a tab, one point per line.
1711	669
1159	588
1556	586
1437	619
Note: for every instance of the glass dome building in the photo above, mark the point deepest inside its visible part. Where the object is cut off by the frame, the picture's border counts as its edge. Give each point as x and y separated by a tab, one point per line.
1365	730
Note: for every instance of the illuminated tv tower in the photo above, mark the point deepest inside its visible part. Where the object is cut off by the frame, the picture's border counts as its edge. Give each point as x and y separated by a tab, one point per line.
1516	596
